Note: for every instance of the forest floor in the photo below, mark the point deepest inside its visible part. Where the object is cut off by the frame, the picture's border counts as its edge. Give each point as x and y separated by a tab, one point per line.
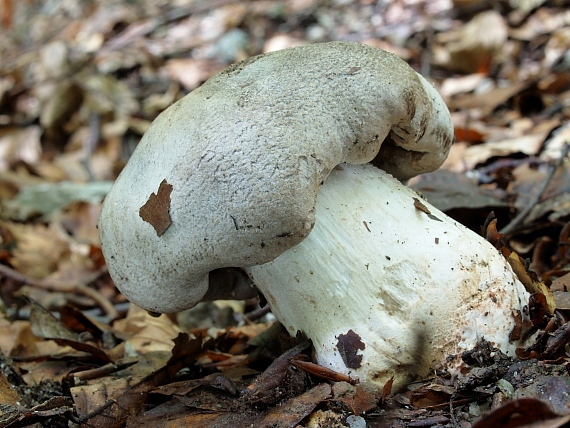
81	81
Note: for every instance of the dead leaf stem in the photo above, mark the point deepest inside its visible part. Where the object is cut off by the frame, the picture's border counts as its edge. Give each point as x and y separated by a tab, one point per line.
519	218
82	288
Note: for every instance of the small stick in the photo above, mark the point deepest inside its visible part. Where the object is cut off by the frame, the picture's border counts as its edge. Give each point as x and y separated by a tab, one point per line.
519	218
101	371
257	313
83	289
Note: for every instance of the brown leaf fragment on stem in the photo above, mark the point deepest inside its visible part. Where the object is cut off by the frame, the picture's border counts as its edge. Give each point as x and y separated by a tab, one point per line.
348	346
421	207
156	211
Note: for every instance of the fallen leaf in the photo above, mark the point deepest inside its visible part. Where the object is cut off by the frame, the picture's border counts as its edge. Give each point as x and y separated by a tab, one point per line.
524	412
296	409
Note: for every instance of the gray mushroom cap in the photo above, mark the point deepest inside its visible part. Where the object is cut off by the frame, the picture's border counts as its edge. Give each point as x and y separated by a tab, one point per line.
229	175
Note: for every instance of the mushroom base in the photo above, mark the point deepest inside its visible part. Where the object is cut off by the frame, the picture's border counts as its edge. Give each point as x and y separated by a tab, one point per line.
384	288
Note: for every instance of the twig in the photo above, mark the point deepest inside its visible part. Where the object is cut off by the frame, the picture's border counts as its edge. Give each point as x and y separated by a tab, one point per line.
257	313
83	288
99	299
97	412
8	272
102	371
519	218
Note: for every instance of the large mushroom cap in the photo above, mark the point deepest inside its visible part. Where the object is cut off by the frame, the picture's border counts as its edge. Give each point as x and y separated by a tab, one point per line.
229	175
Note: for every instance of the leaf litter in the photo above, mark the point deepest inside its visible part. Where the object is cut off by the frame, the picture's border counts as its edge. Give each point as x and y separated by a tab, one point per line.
80	83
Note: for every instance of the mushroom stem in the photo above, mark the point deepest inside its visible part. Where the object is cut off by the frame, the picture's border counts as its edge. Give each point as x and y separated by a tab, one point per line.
384	287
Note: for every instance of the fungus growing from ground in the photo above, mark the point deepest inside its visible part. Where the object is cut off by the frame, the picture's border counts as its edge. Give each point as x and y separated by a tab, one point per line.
265	170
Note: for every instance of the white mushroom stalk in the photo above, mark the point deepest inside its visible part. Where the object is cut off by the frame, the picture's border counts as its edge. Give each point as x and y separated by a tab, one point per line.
384	288
228	177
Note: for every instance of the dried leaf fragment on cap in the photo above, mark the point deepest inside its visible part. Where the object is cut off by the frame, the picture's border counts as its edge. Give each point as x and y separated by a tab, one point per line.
156	211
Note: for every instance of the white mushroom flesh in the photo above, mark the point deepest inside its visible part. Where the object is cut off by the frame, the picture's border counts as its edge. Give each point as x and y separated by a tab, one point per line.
381	273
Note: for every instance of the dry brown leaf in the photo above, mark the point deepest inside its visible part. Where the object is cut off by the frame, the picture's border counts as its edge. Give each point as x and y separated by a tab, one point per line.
60	104
145	333
476	43
355	398
155	103
190	72
543	22
45	325
462	84
8	395
112	400
531	284
80	220
522	413
561	284
526	178
562	298
140	53
556	143
40	249
19	145
16	339
528	144
488	100
296	409
77	270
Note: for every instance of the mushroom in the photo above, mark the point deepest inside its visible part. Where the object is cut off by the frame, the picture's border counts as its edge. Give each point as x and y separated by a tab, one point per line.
264	170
